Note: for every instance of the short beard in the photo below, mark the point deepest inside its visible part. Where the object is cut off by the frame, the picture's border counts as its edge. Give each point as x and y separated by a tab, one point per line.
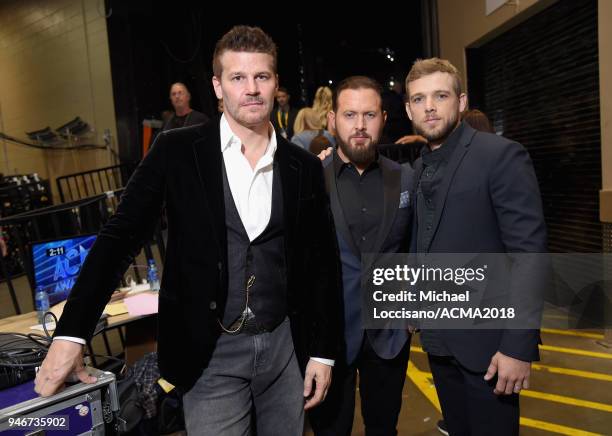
360	156
440	136
244	118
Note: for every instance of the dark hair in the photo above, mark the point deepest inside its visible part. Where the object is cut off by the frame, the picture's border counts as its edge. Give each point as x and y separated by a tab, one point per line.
283	89
356	82
319	143
478	120
243	38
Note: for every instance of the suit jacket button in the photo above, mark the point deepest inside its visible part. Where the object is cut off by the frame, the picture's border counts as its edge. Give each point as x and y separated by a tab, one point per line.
213	305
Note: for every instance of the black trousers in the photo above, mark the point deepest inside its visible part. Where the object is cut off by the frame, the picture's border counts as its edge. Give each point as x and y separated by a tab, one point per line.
469	406
381	382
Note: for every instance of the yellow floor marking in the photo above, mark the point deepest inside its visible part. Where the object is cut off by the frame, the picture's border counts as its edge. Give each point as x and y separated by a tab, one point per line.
552	348
576	351
572	372
423	383
555	428
422	380
553	369
573	333
567	400
548	397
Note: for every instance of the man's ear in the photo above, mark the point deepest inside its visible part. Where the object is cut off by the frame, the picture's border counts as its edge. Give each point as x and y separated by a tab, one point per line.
216	82
331	119
463	102
408	111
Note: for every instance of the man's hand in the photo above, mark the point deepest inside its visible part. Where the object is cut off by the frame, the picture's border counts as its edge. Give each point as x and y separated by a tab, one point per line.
409	139
512	374
62	359
325	153
320	373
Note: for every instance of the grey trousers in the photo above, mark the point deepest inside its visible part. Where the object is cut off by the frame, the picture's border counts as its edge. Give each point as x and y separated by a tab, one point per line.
251	379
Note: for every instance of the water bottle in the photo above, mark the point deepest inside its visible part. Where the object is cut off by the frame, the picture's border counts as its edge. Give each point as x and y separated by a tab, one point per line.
153	276
42	303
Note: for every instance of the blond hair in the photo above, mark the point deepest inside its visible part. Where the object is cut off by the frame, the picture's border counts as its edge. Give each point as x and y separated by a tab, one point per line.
307	119
425	67
322	103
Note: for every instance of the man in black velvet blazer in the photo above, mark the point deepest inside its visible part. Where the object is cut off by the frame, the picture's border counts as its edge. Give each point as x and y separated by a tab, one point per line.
196	171
476	192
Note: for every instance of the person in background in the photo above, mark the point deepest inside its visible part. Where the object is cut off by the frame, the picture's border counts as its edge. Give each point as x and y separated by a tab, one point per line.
319	143
307	127
398	125
3	245
183	114
322	103
478	120
283	116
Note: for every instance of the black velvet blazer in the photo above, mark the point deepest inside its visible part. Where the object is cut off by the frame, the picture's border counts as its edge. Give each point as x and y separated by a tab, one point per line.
183	169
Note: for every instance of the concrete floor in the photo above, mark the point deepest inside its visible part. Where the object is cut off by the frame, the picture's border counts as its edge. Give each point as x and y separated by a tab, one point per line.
571	390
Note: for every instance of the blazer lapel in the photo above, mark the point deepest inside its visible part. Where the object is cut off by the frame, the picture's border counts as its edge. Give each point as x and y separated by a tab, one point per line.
418	170
391	187
336	208
451	169
291	175
208	161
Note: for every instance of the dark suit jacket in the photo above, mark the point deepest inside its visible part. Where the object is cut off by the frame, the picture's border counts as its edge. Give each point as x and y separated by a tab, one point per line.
184	169
489	202
393	237
290	120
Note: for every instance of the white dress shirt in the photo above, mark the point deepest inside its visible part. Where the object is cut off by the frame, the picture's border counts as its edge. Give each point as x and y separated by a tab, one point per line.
251	187
251	190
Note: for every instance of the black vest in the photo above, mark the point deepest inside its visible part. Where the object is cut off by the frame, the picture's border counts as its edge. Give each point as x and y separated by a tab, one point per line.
264	257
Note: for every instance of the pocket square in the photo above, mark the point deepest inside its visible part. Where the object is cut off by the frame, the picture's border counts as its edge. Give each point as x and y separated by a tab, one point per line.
404	199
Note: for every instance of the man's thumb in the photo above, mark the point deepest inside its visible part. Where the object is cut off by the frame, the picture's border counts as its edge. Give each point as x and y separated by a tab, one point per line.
492	369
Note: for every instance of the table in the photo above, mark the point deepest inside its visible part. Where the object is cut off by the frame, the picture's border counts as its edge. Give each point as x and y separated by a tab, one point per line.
140	331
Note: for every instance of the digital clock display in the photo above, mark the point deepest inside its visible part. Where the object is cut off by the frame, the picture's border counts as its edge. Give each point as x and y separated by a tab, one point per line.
51	252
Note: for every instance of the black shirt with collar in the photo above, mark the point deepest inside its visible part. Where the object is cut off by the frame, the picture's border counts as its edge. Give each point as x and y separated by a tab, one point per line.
435	163
362	200
434	170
